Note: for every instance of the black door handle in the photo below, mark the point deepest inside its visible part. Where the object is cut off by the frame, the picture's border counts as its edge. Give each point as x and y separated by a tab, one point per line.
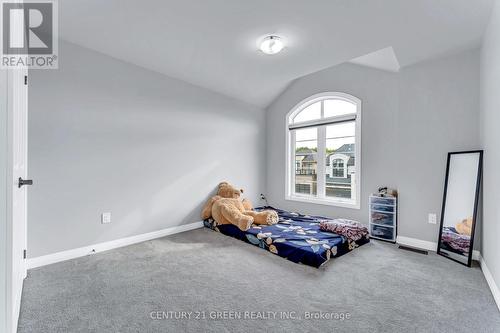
25	182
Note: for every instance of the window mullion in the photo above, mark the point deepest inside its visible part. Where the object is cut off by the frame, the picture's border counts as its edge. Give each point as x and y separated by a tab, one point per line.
292	162
320	171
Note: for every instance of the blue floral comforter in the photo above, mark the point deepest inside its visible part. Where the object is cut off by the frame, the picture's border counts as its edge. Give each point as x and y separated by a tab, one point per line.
296	237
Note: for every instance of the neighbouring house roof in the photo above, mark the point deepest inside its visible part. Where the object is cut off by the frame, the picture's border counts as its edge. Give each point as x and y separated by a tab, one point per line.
310	158
346	149
309	155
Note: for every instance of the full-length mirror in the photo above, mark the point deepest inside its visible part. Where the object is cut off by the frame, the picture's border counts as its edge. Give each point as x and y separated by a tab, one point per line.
461	194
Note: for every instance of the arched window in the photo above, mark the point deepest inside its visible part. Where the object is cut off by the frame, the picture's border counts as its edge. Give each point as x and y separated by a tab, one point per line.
324	150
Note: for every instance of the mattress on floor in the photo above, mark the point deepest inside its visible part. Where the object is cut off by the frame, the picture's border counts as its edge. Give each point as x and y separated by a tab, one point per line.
296	237
453	241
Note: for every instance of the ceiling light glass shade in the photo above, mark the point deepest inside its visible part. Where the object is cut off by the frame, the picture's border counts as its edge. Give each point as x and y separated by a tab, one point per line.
271	45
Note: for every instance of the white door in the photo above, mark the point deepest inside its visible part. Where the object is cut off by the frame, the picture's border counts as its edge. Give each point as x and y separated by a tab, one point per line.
18	157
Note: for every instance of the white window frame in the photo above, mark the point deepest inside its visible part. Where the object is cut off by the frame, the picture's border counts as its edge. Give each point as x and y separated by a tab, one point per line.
321	170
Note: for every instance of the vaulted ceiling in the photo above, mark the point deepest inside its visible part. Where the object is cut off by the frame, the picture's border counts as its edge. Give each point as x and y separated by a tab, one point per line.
213	43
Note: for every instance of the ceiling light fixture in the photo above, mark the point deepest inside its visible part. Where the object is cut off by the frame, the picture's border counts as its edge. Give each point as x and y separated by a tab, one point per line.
271	45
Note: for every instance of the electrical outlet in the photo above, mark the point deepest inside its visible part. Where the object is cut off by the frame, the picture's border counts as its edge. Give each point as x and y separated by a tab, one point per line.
106	218
432	218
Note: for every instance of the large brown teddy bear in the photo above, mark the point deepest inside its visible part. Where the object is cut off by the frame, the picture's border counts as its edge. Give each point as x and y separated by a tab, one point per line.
228	208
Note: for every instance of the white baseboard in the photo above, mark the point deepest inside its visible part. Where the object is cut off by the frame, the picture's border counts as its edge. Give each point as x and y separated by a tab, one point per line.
100	247
418	243
426	245
495	291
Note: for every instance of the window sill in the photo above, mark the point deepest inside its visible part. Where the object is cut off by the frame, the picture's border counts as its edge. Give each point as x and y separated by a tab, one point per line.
326	202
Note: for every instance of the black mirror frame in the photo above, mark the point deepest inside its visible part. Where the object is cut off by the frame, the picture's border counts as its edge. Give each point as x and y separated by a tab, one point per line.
476	201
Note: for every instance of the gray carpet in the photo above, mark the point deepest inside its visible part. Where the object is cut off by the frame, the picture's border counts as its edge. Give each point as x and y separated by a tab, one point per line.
377	288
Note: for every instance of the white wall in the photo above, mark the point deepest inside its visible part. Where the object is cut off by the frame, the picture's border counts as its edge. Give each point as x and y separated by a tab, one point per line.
490	139
378	93
438	113
105	135
411	120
